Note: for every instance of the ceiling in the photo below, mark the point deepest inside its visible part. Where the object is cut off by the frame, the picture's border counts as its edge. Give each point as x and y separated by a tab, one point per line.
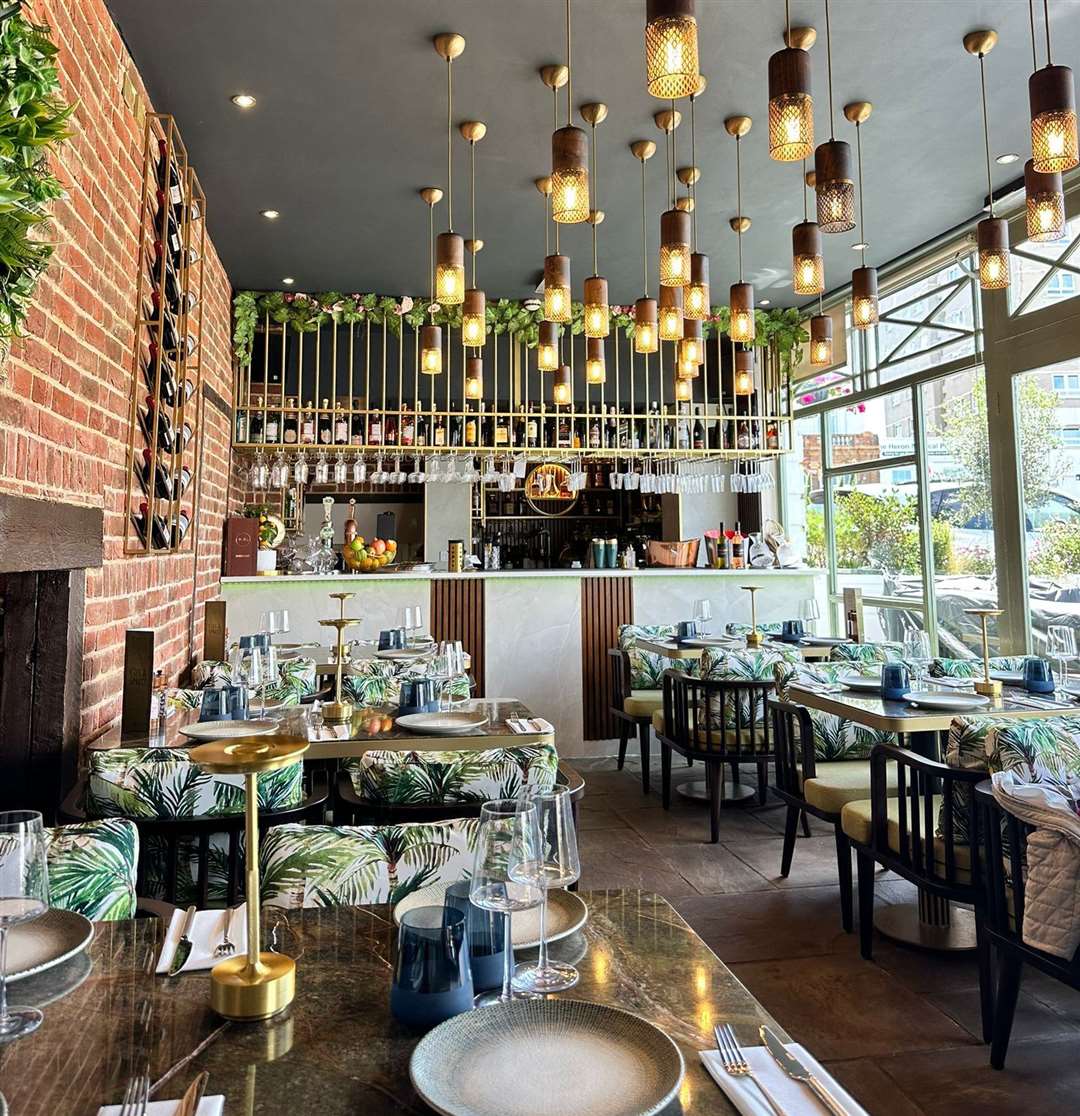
351	121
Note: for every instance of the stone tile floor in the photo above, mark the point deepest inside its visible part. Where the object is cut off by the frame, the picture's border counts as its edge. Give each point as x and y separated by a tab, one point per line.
901	1032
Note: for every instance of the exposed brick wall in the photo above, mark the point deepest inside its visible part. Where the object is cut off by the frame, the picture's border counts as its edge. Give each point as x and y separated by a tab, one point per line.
64	410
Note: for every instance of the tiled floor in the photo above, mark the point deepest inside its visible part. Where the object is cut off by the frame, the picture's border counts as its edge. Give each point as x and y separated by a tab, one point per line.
901	1032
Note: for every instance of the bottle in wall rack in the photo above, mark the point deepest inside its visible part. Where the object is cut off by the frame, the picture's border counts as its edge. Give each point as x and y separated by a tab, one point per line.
159	532
273	428
356	428
341	426
438	433
408	426
290	430
421	428
326	433
307	425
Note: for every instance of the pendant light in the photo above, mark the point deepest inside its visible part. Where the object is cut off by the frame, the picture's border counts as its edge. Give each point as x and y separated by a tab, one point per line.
807	264
992	233
684	389
1043	189
1052	99
431	334
832	166
791	105
671	314
474	377
596	314
557	305
547	348
449	246
645	338
696	293
595	367
744	371
864	288
474	308
691	348
562	392
821	339
569	158
742	327
674	222
671	48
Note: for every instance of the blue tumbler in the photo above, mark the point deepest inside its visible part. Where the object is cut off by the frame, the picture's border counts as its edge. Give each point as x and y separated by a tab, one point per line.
894	681
486	934
432	977
1038	677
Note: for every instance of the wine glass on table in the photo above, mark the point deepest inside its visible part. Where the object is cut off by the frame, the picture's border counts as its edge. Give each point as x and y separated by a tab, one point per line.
24	895
504	877
407	623
1061	644
809	613
557	865
917	654
702	616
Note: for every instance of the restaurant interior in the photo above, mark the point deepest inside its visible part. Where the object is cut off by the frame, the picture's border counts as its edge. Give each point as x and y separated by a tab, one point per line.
539	558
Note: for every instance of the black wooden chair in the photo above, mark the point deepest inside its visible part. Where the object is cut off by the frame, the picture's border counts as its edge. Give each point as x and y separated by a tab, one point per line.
1002	855
632	709
718	721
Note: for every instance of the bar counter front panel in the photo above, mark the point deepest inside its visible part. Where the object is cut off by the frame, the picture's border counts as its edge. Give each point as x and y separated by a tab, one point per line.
532	620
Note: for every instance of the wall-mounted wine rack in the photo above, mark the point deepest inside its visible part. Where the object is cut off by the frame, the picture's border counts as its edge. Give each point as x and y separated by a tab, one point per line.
165	424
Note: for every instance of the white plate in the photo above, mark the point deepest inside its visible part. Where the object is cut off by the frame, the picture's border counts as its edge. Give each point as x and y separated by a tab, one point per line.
1009	677
712	641
442	724
938	699
862	683
223	730
45	942
403	655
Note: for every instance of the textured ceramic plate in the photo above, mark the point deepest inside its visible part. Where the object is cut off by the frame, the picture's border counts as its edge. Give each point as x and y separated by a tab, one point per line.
566	914
862	683
1009	677
936	699
824	641
223	730
403	655
44	942
442	724
710	641
558	1057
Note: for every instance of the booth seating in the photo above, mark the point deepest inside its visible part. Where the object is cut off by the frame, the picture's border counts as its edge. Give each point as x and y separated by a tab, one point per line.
866	653
296	682
92	868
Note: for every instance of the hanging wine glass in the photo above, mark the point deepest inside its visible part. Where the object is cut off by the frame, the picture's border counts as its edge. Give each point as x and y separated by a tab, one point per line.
300	469
341	470
359	470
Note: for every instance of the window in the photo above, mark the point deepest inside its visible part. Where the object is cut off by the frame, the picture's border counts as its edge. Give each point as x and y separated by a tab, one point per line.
1066	383
1070	436
1045	274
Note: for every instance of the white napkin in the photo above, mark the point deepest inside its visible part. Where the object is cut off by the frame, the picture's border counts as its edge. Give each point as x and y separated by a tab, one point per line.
949	683
328	732
794	1098
206	933
208	1106
524	728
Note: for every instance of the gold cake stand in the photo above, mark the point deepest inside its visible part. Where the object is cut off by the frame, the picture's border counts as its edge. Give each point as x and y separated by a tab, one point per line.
338	712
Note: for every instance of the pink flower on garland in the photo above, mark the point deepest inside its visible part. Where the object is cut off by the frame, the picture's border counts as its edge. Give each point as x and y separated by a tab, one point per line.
406	305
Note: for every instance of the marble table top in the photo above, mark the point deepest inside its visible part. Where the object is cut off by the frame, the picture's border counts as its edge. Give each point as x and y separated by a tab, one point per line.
336	1051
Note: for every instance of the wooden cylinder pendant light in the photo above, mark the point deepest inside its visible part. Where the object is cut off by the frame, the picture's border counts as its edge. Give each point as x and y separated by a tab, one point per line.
645	312
645	335
569	158
474	318
833	185
474	306
696	294
744	371
1045	204
547	347
808	265
431	334
431	350
671	314
597	314
742	327
1052	100
595	367
821	341
692	345
864	284
791	105
674	248
474	377
671	48
562	392
449	246
557	307
684	389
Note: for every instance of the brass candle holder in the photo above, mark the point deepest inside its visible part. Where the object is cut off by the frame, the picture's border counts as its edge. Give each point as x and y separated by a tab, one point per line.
989	687
754	638
338	712
260	983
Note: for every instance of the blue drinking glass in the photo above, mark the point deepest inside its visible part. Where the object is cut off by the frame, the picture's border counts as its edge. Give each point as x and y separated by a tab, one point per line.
894	681
214	705
485	931
432	977
238	702
1038	676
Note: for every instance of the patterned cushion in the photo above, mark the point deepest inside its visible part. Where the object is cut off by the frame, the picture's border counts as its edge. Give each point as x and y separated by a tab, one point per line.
1040	750
297	680
719	664
326	865
866	653
92	868
378	681
973	668
646	668
835	738
773	627
443	778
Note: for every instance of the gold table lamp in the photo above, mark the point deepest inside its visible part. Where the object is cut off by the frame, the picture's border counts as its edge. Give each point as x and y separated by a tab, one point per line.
754	638
261	983
990	687
338	712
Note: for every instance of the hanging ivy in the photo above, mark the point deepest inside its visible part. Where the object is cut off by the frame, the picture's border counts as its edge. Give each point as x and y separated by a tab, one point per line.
305	313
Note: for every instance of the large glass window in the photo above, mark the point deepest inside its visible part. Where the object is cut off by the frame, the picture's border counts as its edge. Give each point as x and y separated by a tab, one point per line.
1045	274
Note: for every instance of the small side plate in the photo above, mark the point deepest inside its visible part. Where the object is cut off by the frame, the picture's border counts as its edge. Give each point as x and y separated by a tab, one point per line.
46	942
224	730
938	699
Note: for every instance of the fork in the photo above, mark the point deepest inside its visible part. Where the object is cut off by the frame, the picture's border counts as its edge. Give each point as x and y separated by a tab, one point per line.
136	1096
731	1056
226	948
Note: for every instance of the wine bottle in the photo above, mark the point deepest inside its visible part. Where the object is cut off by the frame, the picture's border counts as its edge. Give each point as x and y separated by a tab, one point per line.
159	533
532	428
357	425
179	528
421	429
273	427
408	426
290	433
438	435
341	427
325	430
699	431
163	486
307	426
375	429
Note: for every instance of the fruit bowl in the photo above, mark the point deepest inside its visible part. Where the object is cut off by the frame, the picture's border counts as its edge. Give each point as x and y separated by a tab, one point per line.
362	556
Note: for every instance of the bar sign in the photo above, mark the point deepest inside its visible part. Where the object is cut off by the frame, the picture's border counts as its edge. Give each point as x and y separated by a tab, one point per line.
138	682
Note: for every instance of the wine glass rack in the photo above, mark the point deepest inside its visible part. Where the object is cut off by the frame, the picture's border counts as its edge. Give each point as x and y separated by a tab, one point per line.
165	422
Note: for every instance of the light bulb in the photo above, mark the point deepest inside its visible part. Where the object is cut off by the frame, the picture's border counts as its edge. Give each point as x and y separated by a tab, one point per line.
645	337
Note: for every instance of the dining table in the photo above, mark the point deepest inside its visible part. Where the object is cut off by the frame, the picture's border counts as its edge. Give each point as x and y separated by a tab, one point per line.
336	1050
673	649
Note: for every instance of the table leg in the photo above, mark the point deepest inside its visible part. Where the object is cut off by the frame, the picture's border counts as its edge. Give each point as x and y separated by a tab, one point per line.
697	790
932	923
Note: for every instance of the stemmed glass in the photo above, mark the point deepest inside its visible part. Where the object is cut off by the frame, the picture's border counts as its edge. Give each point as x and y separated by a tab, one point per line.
504	877
809	613
24	895
1061	643
557	865
916	653
702	615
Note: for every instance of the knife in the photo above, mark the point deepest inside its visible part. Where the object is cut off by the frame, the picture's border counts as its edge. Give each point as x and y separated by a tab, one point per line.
794	1068
183	947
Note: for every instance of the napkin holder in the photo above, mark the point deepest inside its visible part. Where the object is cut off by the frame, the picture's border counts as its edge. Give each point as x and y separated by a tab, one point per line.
260	983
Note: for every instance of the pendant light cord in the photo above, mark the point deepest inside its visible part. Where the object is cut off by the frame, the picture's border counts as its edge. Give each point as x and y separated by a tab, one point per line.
828	57
1046	20
449	132
555	117
592	185
569	69
862	207
644	240
472	201
805	213
674	154
986	133
1031	20
693	172
787	20
738	194
431	257
547	217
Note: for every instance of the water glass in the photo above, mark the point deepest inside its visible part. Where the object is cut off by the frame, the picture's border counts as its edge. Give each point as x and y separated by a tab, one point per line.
557	865
916	653
486	932
503	879
809	613
894	681
432	976
703	614
214	705
1038	677
1061	643
24	895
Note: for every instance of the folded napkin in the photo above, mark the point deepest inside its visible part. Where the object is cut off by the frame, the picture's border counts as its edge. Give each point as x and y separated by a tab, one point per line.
794	1098
531	727
206	933
208	1106
950	683
328	732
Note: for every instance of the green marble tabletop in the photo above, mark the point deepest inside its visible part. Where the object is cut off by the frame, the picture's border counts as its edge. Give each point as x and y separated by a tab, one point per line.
336	1051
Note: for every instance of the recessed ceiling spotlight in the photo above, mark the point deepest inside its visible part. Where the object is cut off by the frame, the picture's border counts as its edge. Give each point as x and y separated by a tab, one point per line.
243	100
288	280
860	246
1008	157
270	214
764	302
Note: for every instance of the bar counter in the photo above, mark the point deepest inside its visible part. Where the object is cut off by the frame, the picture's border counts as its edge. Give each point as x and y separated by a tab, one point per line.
540	636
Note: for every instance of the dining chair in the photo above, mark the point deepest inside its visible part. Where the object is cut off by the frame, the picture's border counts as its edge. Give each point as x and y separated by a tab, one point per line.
973	668
93	867
869	652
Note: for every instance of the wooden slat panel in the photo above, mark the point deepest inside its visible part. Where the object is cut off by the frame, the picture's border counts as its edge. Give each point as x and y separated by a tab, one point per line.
457	612
606	602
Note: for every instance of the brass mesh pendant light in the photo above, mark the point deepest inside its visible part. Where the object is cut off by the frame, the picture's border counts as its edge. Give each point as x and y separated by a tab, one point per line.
1052	99
431	334
474	307
671	314
692	345
684	389
449	246
645	331
1045	204
832	166
562	391
597	315
992	233
474	377
742	327
569	158
821	339
595	368
671	48
547	348
674	222
864	288
744	371
791	106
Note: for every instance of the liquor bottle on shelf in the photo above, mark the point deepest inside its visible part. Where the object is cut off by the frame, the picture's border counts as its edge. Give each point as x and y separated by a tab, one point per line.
159	532
472	432
375	429
438	434
408	426
456	431
390	431
738	549
421	428
699	431
307	425
290	430
532	428
564	433
356	436
729	547
502	432
273	427
682	429
772	435
241	426
326	435
611	431
667	435
341	426
594	429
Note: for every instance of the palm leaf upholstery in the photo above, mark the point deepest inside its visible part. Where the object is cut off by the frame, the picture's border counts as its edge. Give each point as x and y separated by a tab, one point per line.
772	627
866	653
297	680
973	668
327	865
378	681
1043	750
447	778
92	868
646	667
719	664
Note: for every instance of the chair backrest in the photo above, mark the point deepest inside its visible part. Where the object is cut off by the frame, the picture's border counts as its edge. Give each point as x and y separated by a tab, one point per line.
771	627
324	865
93	867
717	717
866	653
973	668
378	681
646	667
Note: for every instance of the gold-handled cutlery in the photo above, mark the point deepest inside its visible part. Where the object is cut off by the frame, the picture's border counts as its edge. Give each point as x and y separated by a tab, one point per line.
736	1065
